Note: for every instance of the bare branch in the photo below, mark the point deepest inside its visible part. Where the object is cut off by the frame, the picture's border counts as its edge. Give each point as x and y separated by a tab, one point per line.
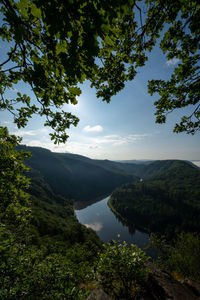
15	67
10	56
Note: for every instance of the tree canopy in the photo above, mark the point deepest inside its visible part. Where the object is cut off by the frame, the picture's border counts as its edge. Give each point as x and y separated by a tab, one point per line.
54	46
15	206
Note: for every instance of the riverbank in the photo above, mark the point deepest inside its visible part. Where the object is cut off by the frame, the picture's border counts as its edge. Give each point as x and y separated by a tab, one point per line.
116	212
123	220
108	225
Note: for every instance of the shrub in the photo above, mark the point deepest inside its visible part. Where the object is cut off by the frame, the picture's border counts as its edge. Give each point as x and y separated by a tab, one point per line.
121	270
184	256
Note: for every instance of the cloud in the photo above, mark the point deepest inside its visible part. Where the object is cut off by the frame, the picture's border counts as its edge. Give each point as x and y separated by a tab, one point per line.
90	146
93	146
36	143
43	144
31	132
6	122
117	140
73	147
82	148
95	226
172	62
97	128
197	163
24	132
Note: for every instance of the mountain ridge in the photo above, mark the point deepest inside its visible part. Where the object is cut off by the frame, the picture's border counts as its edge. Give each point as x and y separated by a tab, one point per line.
75	176
82	178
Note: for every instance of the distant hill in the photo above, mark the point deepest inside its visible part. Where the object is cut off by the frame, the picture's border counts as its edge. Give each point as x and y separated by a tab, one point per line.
157	167
83	179
76	176
136	161
166	201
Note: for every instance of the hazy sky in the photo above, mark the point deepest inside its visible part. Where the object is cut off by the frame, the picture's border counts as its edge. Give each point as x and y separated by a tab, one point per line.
123	129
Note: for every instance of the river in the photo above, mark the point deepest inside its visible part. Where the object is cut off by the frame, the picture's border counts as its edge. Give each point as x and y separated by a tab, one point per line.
100	218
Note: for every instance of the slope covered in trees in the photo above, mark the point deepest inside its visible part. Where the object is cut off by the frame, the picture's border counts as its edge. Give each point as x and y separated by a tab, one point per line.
168	202
53	217
44	251
75	176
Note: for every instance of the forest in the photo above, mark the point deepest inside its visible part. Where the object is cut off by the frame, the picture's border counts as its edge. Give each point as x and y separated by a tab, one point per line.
46	253
166	203
75	176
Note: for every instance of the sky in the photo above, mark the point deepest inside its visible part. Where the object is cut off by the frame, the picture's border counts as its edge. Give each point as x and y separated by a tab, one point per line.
124	129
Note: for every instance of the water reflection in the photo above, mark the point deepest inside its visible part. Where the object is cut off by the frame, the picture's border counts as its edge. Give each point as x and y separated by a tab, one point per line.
78	205
108	226
131	228
99	217
95	226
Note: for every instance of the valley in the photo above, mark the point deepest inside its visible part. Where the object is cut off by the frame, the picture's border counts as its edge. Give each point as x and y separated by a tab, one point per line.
59	250
159	196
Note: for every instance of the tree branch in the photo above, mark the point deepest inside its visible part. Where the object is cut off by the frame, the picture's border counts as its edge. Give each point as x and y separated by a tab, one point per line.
10	56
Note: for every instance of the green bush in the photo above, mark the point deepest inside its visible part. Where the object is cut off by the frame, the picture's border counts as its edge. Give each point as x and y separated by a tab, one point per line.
184	256
121	270
181	256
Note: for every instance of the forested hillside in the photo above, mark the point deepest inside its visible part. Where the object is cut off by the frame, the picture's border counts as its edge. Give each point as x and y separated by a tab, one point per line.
168	202
75	176
45	253
53	217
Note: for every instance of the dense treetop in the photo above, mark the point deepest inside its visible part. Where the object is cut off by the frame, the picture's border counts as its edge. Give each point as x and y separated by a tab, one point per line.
55	46
167	202
45	253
